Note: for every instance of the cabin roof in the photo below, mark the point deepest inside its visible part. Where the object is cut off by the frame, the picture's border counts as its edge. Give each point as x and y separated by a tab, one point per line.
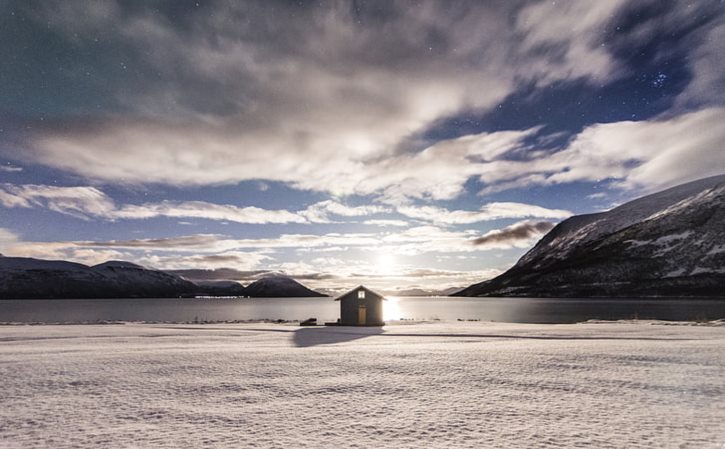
360	287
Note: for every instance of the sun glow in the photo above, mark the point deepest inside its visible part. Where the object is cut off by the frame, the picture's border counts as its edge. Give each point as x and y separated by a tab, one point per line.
385	264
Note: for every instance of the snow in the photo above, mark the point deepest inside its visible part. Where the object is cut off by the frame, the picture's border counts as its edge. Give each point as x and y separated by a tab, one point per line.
717	249
434	385
581	229
676	273
668	239
638	243
702	270
666	243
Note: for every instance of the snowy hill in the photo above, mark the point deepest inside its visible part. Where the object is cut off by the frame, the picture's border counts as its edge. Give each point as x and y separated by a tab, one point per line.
219	288
34	278
671	243
142	282
422	292
278	287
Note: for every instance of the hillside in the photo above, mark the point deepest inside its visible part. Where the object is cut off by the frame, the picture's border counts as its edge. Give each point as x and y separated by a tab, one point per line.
671	243
278	287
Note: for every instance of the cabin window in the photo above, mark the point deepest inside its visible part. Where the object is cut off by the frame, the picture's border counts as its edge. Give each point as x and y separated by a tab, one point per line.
361	294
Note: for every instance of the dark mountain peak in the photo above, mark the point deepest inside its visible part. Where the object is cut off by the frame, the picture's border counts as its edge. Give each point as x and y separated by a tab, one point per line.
118	264
278	285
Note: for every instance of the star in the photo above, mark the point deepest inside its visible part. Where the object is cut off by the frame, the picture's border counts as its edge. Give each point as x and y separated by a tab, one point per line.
659	80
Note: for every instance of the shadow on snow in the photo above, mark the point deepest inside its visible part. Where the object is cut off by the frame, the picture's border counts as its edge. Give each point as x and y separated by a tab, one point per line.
313	336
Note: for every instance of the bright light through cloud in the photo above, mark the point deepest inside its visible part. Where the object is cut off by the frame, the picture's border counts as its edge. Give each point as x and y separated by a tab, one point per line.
386	264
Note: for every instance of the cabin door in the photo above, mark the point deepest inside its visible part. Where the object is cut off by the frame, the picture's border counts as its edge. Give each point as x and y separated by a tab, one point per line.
362	313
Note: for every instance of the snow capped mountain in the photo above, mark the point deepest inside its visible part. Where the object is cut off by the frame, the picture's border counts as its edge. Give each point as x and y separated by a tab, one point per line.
141	281
671	243
278	287
22	277
219	288
34	278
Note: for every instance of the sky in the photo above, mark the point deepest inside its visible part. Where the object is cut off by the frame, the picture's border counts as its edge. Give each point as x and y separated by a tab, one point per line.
400	145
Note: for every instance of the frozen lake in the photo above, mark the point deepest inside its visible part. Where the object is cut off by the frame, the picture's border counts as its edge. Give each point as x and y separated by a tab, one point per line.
423	385
514	310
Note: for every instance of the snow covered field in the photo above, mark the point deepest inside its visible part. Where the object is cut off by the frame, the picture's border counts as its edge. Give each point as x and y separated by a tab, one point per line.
444	385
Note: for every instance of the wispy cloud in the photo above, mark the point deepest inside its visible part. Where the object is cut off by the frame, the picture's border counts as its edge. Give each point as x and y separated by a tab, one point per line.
518	234
81	202
206	210
194	242
386	222
320	212
634	154
9	168
239	260
86	202
7	237
487	212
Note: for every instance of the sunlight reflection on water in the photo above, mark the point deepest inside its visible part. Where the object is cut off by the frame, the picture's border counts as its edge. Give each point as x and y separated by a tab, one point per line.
514	310
391	308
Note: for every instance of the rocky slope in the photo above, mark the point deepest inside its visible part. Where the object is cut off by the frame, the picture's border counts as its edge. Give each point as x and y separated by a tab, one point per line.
671	243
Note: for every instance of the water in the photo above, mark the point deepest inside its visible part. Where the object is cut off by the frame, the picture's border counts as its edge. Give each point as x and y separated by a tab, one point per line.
516	310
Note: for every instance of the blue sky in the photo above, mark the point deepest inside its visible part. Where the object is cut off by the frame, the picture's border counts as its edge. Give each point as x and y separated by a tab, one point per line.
396	144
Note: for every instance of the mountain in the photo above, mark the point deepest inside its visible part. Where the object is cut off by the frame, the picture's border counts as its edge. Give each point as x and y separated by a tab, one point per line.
422	292
671	243
139	281
27	278
219	288
278	287
34	278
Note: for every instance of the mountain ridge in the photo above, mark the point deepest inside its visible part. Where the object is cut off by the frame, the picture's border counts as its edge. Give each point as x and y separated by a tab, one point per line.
30	278
272	286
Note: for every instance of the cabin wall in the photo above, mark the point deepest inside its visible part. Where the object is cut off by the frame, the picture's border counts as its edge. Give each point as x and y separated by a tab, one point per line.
350	304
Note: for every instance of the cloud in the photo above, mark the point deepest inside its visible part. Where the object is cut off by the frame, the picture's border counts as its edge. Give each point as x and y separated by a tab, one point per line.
61	251
337	281
569	30
517	235
487	212
644	155
8	168
86	202
320	98
219	243
320	212
248	259
386	222
237	260
409	242
708	69
190	242
7	237
80	202
209	211
217	274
